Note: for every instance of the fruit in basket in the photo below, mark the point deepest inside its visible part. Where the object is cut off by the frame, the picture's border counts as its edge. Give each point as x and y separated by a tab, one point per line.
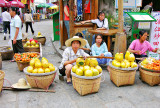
35	71
133	65
93	62
47	70
79	72
119	57
117	64
74	68
32	62
37	45
40	70
95	72
87	61
25	45
86	67
131	58
33	42
45	64
52	68
127	54
80	62
123	65
39	33
28	43
38	64
82	68
44	59
99	68
88	73
30	69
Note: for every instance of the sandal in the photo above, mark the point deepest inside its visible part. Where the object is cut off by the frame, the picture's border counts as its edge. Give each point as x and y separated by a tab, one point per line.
12	61
69	81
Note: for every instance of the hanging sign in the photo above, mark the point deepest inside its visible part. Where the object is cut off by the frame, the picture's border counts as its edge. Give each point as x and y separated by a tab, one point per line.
155	35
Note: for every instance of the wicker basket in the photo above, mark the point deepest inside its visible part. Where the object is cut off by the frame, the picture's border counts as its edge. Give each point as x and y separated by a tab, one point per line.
7	55
43	80
122	77
84	85
42	40
22	65
2	74
152	78
32	49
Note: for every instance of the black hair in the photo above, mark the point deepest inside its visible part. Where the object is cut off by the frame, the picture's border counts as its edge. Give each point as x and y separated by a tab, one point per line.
15	9
5	9
101	37
27	11
142	32
99	13
76	40
68	3
79	34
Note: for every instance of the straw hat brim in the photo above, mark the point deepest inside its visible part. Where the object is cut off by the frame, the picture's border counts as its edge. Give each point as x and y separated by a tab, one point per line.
16	86
69	41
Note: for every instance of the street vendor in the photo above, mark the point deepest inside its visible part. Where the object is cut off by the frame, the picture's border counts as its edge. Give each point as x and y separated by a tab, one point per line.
140	46
101	22
100	49
70	55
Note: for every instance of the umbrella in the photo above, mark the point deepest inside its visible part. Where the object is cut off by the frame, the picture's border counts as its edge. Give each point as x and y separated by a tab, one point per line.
17	4
54	7
44	5
7	4
2	3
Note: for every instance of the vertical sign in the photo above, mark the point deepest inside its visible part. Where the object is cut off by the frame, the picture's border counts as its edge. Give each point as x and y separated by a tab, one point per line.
155	35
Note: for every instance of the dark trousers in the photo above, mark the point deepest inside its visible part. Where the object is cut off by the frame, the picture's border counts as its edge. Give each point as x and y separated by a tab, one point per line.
139	56
6	25
18	47
30	24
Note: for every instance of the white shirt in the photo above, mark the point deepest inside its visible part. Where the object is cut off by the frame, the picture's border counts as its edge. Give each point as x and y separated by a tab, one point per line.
16	22
69	55
6	16
101	24
28	17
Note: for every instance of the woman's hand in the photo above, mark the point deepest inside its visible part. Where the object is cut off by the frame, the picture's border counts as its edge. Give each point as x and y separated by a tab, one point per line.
102	55
155	50
82	22
14	41
138	52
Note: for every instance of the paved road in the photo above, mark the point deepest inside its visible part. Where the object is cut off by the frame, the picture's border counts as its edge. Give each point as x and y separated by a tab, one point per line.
140	95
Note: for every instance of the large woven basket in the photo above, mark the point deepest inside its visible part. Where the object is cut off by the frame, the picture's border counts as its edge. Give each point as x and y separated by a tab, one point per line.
22	65
42	40
122	77
152	78
2	74
32	49
84	85
43	80
7	54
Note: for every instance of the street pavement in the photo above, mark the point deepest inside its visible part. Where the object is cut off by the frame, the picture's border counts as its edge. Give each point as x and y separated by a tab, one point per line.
139	95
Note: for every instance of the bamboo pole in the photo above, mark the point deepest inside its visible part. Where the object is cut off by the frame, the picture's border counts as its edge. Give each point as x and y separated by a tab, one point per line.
71	17
61	22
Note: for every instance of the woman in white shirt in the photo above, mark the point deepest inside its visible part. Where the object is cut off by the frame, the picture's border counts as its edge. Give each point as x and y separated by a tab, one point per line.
28	20
101	22
70	55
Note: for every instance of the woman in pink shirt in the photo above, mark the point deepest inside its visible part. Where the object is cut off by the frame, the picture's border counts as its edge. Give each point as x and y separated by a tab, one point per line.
140	46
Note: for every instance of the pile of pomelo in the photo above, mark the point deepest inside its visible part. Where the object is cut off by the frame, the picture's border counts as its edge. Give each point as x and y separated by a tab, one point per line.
128	62
88	67
43	66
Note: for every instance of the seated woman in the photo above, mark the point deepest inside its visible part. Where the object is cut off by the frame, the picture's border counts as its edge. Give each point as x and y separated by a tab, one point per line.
101	22
70	55
86	48
140	46
100	49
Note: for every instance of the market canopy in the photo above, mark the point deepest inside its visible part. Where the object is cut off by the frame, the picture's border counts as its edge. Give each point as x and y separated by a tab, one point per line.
16	3
43	5
50	4
141	17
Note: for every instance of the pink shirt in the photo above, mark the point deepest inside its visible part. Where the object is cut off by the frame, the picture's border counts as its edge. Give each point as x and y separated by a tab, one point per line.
143	47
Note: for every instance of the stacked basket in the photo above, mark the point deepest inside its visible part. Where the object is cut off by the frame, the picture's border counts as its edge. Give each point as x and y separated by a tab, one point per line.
43	80
41	40
122	76
2	74
86	85
6	53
